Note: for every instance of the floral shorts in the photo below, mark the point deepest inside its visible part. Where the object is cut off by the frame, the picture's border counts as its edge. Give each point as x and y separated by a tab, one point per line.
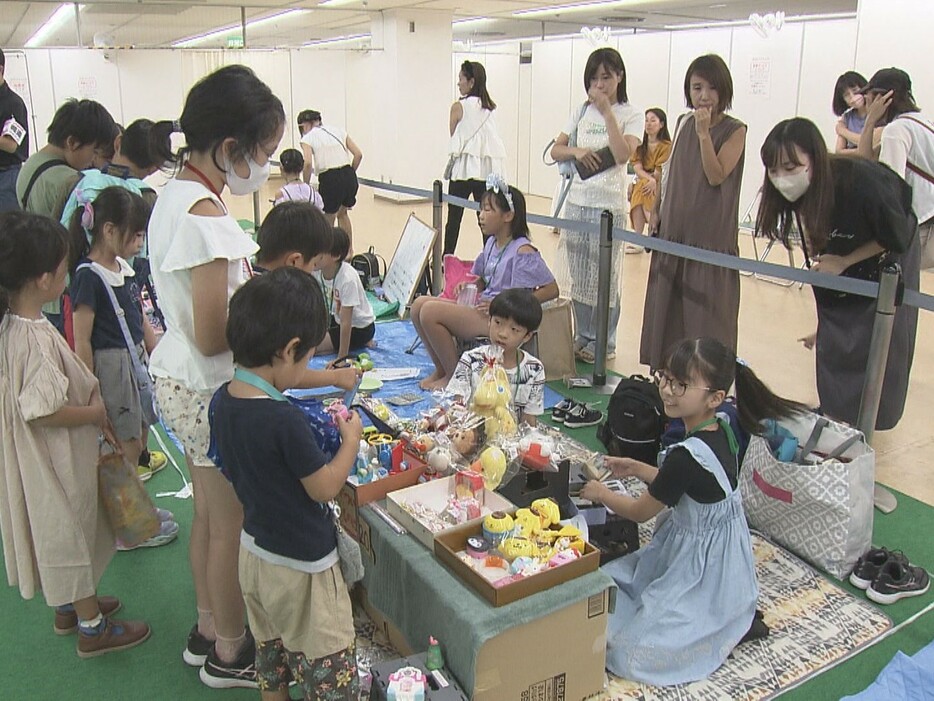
185	413
331	678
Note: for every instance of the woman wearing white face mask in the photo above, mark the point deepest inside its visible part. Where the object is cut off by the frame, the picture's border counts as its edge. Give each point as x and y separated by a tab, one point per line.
855	215
232	124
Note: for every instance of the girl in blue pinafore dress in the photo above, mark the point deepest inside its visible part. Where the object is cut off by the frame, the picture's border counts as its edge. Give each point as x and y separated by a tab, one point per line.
689	597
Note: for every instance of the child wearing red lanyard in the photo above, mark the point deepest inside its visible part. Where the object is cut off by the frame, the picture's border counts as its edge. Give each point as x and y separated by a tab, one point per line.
509	260
232	124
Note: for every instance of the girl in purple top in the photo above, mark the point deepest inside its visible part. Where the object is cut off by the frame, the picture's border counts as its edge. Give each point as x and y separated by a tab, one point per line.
508	260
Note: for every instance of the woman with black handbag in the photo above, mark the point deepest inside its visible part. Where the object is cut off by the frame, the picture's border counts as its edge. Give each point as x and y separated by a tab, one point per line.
854	216
605	130
477	150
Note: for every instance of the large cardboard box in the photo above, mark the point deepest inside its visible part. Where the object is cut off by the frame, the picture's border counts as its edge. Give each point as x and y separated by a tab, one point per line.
450	543
560	657
435	495
352	496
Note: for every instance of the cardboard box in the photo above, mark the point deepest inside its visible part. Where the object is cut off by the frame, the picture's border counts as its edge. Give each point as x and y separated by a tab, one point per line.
450	543
560	657
352	497
435	495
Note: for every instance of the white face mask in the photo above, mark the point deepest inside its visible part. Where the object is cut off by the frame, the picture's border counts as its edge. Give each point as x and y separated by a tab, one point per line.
792	186
245	186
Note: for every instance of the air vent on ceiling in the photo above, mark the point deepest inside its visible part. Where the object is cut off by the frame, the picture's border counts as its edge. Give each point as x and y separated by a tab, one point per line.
622	19
488	33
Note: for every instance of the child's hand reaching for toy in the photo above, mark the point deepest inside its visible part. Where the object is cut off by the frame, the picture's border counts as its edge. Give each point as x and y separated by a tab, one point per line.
344	378
350	428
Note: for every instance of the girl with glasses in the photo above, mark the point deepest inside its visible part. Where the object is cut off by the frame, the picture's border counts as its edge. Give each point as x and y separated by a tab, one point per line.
689	597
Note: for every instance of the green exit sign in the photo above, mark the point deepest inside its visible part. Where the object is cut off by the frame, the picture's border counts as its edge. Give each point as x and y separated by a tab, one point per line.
235	42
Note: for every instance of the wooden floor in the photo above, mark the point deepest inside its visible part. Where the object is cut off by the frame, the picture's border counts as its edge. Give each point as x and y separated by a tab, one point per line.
772	318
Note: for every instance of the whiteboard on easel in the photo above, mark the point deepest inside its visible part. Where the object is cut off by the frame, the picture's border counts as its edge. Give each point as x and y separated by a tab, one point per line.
408	262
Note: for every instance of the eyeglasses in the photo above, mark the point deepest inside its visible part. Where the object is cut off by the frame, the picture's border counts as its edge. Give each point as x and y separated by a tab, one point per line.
678	388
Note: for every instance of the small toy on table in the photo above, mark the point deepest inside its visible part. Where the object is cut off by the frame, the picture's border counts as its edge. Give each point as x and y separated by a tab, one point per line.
497	526
469	484
535	451
434	660
407	684
492	465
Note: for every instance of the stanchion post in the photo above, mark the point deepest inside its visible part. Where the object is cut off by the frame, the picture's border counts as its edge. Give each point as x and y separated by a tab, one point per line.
437	252
603	298
886	305
256	219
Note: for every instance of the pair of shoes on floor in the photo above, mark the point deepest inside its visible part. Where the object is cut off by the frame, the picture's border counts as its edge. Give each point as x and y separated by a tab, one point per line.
887	576
110	635
587	355
157	461
66	619
575	414
241	673
168	531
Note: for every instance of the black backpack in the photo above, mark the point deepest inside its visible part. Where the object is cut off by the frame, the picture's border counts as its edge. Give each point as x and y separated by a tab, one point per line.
367	266
635	420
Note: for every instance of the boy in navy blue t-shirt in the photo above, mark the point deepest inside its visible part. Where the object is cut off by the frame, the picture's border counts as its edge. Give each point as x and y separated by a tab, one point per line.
297	603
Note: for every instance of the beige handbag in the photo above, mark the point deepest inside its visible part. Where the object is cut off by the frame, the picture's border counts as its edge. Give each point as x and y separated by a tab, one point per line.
553	343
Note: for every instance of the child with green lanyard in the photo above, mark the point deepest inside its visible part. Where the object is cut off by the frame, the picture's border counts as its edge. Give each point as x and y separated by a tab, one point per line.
296	599
689	597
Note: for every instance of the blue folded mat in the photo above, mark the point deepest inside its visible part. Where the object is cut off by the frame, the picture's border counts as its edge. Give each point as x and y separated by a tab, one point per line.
903	679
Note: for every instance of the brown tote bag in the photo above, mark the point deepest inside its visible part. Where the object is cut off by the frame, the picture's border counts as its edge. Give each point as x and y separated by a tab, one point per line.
553	343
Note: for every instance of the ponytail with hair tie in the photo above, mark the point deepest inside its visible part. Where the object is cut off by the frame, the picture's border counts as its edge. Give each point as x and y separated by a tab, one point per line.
87	216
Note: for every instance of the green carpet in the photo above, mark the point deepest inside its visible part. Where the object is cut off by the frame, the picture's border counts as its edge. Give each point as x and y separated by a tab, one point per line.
155	585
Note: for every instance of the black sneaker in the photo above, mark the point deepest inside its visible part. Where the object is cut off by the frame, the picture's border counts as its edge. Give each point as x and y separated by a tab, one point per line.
559	411
239	674
581	415
197	648
898	580
870	565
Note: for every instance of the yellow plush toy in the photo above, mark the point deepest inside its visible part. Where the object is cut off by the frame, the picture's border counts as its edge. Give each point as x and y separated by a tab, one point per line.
547	510
530	524
492	399
492	465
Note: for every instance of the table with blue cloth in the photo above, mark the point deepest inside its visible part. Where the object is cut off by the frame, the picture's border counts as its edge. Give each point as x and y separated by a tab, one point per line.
421	597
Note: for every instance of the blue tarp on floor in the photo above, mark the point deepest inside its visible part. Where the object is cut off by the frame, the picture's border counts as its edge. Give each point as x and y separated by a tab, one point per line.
903	679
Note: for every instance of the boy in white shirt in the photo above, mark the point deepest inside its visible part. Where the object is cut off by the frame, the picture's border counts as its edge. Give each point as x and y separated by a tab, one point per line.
352	321
515	315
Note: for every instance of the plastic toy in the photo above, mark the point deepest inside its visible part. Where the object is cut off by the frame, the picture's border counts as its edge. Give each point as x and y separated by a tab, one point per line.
462	510
338	409
434	660
536	452
469	484
440	460
478	547
408	684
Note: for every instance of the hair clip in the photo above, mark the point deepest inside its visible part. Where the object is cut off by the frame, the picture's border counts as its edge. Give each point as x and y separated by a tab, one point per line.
496	183
87	216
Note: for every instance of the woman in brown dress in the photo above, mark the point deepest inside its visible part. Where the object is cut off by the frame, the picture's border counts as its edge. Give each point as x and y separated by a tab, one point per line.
698	206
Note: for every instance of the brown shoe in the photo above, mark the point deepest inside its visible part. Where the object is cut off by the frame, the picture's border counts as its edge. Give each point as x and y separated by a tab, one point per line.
67	623
112	636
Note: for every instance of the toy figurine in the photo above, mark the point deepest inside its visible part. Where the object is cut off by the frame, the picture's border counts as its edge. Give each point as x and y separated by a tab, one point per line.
434	660
535	452
492	399
497	526
469	484
547	510
466	441
407	684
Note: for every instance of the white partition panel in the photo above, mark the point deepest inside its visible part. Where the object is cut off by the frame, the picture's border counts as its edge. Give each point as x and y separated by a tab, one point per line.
685	47
765	91
829	50
86	73
646	57
148	74
552	84
898	33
